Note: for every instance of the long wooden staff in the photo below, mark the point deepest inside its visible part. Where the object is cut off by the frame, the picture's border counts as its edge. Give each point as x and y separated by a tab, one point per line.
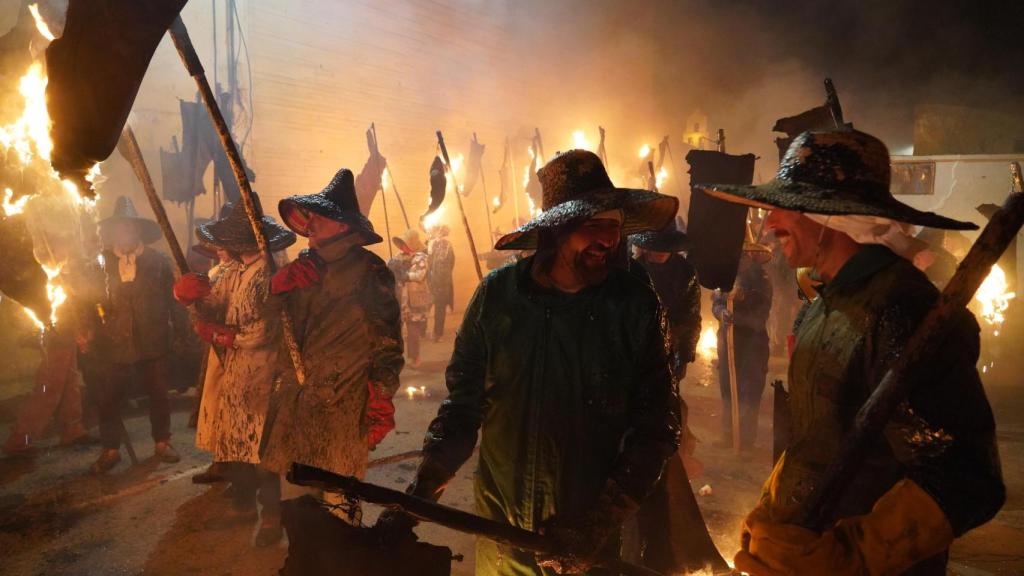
818	510
188	55
391	177
462	211
487	205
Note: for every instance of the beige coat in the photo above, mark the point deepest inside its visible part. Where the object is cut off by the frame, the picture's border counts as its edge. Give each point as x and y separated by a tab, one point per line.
238	381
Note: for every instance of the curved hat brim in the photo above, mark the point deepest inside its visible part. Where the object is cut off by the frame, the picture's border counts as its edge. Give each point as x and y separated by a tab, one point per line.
149	230
672	241
289	209
803	197
229	235
642	211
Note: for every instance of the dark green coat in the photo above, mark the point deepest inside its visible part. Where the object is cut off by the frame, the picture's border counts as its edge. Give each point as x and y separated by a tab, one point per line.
138	313
568	391
943	438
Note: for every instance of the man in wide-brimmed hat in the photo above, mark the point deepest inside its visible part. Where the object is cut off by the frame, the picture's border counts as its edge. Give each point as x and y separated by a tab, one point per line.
440	267
561	364
936	473
137	319
752	304
233	318
347	324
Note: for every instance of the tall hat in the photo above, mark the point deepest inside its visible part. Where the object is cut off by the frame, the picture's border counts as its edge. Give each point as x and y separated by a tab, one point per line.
840	172
336	201
234	232
124	211
671	238
575	187
409	241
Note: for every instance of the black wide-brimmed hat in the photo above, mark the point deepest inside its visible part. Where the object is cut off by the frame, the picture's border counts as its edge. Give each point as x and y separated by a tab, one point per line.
124	211
575	187
234	232
671	238
836	172
337	201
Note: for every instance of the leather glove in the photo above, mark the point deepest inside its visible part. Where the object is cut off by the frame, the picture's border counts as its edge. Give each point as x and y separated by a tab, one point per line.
217	334
581	539
904	527
304	271
380	415
394	526
191	287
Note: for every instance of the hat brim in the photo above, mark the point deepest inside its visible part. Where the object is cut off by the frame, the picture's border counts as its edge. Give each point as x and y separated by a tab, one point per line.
642	210
229	235
672	241
291	209
811	199
149	230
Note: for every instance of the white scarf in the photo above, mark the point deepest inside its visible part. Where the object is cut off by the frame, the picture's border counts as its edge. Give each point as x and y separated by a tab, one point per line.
126	262
873	230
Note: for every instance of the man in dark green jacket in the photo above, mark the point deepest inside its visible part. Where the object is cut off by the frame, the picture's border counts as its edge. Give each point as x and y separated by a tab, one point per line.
934	473
561	363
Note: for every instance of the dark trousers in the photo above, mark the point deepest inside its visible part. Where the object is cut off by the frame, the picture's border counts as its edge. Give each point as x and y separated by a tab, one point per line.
440	311
254	484
751	373
111	394
415	331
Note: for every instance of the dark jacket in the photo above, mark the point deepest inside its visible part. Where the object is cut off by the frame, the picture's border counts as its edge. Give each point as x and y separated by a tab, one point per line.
943	438
675	281
138	314
568	390
348	327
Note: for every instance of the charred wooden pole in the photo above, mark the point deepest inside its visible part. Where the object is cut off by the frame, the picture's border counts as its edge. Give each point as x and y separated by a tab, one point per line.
446	516
391	178
817	512
462	211
487	203
182	42
515	189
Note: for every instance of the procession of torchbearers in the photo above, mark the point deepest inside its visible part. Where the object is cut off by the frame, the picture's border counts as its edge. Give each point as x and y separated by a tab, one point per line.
566	367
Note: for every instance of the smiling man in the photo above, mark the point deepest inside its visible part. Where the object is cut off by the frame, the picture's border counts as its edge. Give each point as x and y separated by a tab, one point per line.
561	363
935	474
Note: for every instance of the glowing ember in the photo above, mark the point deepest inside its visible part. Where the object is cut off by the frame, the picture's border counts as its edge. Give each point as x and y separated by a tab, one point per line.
40	23
645	151
707	346
496	202
384	181
994	297
579	140
411	392
16	207
660	177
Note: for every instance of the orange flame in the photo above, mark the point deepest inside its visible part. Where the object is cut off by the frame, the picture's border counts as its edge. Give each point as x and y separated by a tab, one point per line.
994	298
40	23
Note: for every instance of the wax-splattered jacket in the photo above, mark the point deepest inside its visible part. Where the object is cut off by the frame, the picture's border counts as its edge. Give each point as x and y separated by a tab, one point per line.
675	281
567	391
943	438
349	330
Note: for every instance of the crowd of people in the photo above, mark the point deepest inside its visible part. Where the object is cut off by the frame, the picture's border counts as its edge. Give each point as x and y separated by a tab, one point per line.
566	366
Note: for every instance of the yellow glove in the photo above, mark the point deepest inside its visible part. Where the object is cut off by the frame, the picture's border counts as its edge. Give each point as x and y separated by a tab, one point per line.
904	527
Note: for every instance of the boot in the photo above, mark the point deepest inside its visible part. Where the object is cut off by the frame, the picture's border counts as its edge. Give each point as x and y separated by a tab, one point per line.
214	473
166	453
107	460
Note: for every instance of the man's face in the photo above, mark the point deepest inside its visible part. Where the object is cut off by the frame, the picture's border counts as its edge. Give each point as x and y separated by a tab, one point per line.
656	257
322	229
591	245
798	236
125	234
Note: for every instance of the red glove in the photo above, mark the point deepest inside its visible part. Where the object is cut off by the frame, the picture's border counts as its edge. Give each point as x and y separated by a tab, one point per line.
191	287
380	415
303	272
216	334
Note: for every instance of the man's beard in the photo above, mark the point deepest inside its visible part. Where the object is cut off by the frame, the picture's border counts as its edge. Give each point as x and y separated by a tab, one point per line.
590	271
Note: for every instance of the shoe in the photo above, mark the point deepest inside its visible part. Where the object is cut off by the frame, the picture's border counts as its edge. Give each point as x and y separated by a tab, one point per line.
166	453
107	460
270	533
211	475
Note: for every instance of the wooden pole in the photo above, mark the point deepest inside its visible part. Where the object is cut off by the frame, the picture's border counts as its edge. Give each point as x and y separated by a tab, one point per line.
818	510
734	395
182	42
515	189
462	211
391	177
448	517
487	204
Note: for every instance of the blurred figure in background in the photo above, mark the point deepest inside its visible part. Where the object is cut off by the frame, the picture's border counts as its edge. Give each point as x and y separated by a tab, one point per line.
440	267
